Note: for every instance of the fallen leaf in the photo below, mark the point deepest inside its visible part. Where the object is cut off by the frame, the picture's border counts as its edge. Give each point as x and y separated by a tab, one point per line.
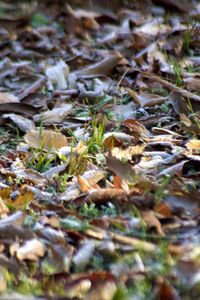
8	98
31	250
103	67
123	170
83	184
173	87
136	128
103	291
115	139
193	145
164	210
58	259
167	292
128	153
46	140
22	123
3	208
152	221
56	115
17	199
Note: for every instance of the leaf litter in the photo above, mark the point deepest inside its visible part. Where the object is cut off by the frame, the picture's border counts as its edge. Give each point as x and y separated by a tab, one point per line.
99	150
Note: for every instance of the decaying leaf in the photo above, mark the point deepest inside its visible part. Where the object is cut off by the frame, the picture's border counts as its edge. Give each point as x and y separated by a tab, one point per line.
173	88
115	139
22	123
15	198
152	221
45	140
106	95
167	292
79	289
56	115
8	97
103	291
103	67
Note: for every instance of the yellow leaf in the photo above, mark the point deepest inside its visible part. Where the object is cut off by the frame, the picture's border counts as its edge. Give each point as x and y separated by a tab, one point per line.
193	145
18	200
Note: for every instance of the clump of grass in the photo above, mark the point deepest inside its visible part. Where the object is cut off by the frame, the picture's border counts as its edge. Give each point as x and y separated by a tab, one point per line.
196	119
40	160
160	192
39	19
158	90
94	144
186	41
177	71
89	210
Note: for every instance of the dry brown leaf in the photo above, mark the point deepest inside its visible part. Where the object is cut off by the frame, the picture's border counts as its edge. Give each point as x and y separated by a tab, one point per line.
152	221
79	289
192	83
136	128
87	18
138	244
107	195
185	120
29	175
172	170
56	115
22	123
115	139
103	67
73	191
103	291
153	27
84	255
163	209
180	5
120	183
167	292
123	170
83	184
46	139
8	97
15	107
172	87
146	99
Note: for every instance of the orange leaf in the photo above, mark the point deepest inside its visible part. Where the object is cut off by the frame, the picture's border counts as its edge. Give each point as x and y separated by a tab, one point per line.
83	184
164	210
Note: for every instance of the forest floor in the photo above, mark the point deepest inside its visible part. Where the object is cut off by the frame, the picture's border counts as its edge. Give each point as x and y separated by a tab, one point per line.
100	150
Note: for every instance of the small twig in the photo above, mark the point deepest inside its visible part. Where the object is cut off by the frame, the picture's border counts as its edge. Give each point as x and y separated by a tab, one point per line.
65	92
126	71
